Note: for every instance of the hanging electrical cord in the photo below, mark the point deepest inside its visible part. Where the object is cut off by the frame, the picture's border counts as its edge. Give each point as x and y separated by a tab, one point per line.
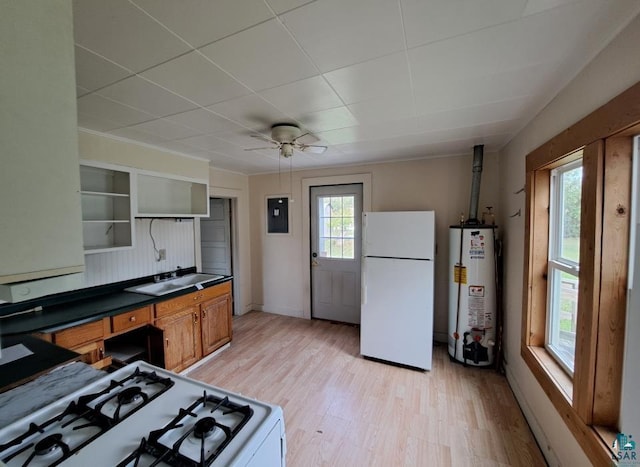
156	252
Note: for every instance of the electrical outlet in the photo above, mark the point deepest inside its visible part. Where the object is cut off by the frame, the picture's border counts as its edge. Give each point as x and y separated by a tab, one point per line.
162	253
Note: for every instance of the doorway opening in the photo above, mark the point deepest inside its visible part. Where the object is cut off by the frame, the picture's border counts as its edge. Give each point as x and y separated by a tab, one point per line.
216	239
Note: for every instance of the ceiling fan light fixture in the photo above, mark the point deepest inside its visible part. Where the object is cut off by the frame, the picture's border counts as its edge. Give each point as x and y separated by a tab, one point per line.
286	150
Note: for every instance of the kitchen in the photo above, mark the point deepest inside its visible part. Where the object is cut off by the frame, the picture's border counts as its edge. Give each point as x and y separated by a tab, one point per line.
264	282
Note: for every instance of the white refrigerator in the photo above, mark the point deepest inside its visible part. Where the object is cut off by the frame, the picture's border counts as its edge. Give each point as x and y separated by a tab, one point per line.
396	322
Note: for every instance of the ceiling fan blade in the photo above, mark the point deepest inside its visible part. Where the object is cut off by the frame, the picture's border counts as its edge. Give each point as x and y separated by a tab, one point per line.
307	138
313	149
264	138
261	149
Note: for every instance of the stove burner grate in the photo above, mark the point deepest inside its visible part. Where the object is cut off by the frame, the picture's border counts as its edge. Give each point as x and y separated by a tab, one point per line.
55	444
201	429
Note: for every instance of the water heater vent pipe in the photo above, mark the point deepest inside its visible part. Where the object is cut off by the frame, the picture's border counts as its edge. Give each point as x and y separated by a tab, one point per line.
475	184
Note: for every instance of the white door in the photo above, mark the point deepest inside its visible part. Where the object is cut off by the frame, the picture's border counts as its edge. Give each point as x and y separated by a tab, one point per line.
215	238
336	218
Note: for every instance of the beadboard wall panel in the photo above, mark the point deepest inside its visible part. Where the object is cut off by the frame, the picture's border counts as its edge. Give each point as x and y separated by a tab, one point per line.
177	238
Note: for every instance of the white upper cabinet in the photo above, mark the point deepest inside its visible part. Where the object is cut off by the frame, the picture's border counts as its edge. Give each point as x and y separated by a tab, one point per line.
165	196
40	214
107	214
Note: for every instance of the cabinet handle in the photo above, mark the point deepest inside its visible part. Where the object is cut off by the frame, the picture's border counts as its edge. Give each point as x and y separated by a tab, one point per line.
101	352
132	319
204	314
195	318
167	341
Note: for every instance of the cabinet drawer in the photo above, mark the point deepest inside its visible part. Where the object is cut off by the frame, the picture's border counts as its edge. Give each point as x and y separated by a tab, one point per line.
79	335
170	306
131	319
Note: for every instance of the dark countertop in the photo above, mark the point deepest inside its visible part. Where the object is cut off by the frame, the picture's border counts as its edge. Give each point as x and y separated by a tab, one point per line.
44	357
91	305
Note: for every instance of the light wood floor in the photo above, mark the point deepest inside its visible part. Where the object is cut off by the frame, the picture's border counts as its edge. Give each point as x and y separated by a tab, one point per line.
343	410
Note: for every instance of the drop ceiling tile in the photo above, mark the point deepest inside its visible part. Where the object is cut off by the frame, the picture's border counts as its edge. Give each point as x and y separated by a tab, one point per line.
385	108
330	119
183	148
142	94
166	129
101	107
92	122
138	135
251	111
201	22
244	140
337	33
80	91
196	78
433	20
443	93
546	37
374	78
536	6
507	110
119	31
372	131
204	121
262	57
304	96
209	143
94	72
280	6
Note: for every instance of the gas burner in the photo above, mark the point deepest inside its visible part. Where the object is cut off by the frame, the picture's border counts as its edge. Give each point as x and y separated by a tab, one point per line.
130	395
125	396
50	444
204	427
206	435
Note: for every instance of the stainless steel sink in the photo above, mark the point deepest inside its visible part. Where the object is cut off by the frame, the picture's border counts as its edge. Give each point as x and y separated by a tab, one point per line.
165	287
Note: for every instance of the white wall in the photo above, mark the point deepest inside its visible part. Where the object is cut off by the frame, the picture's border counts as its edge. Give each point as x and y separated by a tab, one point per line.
442	184
615	69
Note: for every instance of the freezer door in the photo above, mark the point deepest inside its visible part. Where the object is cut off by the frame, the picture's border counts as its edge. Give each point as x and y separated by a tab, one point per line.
403	234
397	311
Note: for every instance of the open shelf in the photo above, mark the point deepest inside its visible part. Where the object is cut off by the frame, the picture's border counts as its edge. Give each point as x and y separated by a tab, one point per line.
106	208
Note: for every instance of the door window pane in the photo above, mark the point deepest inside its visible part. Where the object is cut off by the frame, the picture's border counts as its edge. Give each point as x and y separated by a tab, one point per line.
336	226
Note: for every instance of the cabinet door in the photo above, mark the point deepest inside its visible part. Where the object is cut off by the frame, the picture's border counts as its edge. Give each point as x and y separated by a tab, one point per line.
181	338
216	323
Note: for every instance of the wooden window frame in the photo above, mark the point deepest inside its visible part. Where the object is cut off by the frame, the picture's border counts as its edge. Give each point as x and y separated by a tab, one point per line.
590	403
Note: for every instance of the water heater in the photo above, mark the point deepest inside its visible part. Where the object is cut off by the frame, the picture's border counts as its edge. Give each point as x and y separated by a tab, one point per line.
472	294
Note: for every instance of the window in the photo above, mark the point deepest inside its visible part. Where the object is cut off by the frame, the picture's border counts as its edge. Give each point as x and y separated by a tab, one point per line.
337	226
564	263
577	224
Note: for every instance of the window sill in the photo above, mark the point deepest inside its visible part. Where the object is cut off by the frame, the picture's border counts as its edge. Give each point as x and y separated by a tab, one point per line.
554	372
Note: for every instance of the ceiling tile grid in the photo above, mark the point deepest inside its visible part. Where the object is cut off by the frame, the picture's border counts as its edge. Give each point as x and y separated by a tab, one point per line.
374	80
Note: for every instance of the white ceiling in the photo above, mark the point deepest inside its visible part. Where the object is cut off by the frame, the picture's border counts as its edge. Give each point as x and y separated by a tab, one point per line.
375	80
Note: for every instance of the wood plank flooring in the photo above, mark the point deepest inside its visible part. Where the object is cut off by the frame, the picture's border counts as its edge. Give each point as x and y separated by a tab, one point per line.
343	410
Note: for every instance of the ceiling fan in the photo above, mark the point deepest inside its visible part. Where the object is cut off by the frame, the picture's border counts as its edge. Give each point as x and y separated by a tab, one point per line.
286	138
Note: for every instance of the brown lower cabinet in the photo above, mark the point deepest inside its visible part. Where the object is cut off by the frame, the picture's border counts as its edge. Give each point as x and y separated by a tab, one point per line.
173	334
194	325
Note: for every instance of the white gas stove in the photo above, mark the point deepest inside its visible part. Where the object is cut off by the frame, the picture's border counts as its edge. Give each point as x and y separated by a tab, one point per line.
142	415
